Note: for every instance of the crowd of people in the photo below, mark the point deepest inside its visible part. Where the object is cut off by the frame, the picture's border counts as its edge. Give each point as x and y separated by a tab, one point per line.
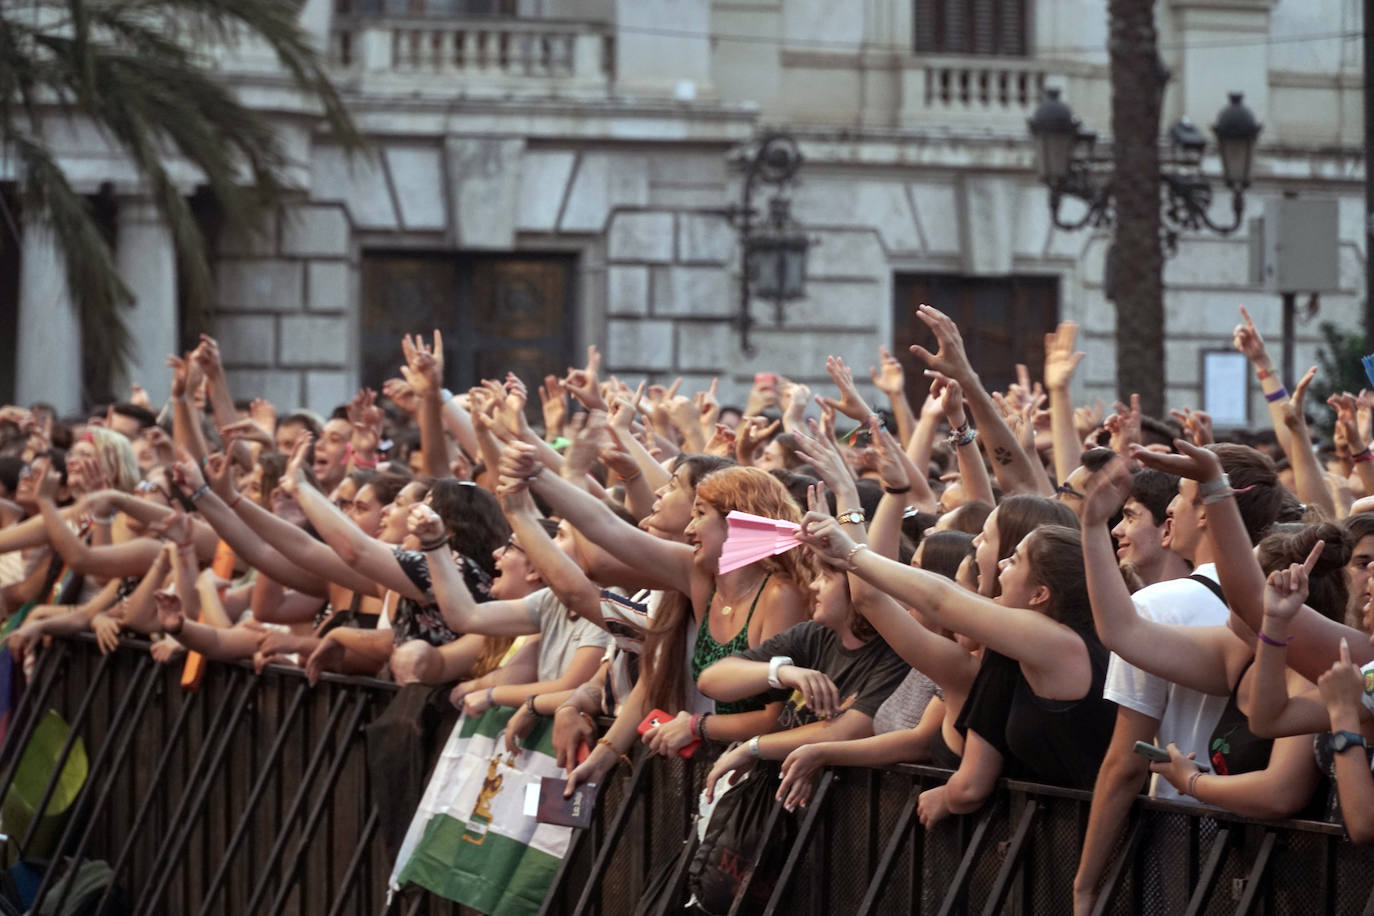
999	584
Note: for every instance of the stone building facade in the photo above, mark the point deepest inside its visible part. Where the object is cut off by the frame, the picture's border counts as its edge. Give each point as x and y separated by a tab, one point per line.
546	174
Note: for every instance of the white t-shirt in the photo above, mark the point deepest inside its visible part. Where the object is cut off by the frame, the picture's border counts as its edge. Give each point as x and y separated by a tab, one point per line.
561	634
1186	717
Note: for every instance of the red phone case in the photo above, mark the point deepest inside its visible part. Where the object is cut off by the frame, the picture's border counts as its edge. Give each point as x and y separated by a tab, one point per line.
656	718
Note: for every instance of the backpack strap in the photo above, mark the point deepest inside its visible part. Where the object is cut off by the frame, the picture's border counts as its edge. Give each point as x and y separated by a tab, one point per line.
1212	586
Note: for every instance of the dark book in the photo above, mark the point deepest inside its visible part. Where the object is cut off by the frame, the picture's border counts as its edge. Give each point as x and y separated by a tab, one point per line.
574	811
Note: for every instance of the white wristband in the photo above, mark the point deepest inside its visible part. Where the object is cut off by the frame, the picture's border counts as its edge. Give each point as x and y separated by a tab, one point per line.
774	665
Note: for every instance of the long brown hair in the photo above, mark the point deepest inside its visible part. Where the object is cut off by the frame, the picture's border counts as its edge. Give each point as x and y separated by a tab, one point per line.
1055	555
750	490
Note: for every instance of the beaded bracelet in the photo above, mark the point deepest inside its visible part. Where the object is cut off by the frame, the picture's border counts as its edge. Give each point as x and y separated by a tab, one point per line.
960	439
614	750
204	488
849	557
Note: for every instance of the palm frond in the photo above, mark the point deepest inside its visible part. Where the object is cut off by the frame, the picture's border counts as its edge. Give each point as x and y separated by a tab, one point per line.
138	70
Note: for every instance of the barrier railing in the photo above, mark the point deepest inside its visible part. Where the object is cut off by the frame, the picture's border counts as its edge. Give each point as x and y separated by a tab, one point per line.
252	795
861	850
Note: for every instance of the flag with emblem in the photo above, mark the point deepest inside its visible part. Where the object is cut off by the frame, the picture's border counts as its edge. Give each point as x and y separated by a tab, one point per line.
471	840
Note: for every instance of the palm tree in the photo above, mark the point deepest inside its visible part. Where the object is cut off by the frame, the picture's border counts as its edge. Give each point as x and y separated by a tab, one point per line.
1137	258
142	71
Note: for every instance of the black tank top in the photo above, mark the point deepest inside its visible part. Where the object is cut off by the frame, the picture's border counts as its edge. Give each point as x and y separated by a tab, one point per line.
1234	748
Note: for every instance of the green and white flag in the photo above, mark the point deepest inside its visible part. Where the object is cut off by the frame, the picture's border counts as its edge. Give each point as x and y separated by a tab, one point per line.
471	840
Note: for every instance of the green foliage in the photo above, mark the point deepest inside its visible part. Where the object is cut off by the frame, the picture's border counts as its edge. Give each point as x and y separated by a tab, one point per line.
142	71
1338	369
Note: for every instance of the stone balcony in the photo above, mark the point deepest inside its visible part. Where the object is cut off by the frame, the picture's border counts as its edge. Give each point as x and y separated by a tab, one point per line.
481	57
996	94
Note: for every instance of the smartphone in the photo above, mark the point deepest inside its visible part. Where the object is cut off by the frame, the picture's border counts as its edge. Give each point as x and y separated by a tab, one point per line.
1160	755
656	718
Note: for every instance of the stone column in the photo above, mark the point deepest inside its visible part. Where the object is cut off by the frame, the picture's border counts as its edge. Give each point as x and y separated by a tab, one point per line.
147	264
48	349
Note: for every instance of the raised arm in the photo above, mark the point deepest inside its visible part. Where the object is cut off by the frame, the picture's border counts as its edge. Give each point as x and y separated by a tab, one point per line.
1316	639
1053	656
1061	360
1195	657
663	564
973	473
890	379
1246	338
1308	479
461	611
251	544
116	560
1274	712
1012	466
578	593
371	559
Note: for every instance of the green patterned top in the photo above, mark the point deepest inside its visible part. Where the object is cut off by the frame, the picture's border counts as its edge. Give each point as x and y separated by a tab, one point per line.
708	652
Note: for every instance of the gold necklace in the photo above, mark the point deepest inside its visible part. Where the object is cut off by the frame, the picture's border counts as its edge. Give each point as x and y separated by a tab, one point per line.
727	609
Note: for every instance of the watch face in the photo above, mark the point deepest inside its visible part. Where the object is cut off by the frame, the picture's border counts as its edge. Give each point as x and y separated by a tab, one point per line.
1342	740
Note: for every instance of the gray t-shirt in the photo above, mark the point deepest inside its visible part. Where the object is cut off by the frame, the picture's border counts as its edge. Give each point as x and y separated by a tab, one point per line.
561	633
904	708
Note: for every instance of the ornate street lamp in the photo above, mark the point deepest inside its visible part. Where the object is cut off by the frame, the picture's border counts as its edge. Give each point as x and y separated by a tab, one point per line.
1069	167
773	250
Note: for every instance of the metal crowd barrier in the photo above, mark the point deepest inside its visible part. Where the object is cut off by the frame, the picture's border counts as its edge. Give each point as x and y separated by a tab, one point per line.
248	795
861	851
252	795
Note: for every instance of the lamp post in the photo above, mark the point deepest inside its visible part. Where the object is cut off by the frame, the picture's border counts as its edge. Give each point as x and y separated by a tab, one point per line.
1070	166
773	250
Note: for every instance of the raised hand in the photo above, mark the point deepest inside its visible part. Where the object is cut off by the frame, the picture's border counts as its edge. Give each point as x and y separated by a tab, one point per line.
891	380
424	368
795	397
708	407
402	395
207	358
1347	408
722	442
1197	425
891	460
1087	420
1247	340
294	475
1124	426
1293	416
1286	589
1189	461
851	403
425	523
584	384
1061	359
751	434
218	477
553	403
1107	491
824	457
950	359
180	375
1342	687
948	394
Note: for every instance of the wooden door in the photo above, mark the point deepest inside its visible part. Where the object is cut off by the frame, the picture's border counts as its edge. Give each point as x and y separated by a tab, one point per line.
1003	321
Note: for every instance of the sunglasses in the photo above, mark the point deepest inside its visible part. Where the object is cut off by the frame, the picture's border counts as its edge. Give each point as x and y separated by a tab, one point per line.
1065	490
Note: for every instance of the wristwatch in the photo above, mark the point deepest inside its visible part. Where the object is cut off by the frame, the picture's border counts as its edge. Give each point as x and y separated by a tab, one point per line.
1344	741
774	665
852	517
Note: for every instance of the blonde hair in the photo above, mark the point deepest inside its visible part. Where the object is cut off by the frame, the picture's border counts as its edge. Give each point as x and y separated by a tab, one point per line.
116	456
